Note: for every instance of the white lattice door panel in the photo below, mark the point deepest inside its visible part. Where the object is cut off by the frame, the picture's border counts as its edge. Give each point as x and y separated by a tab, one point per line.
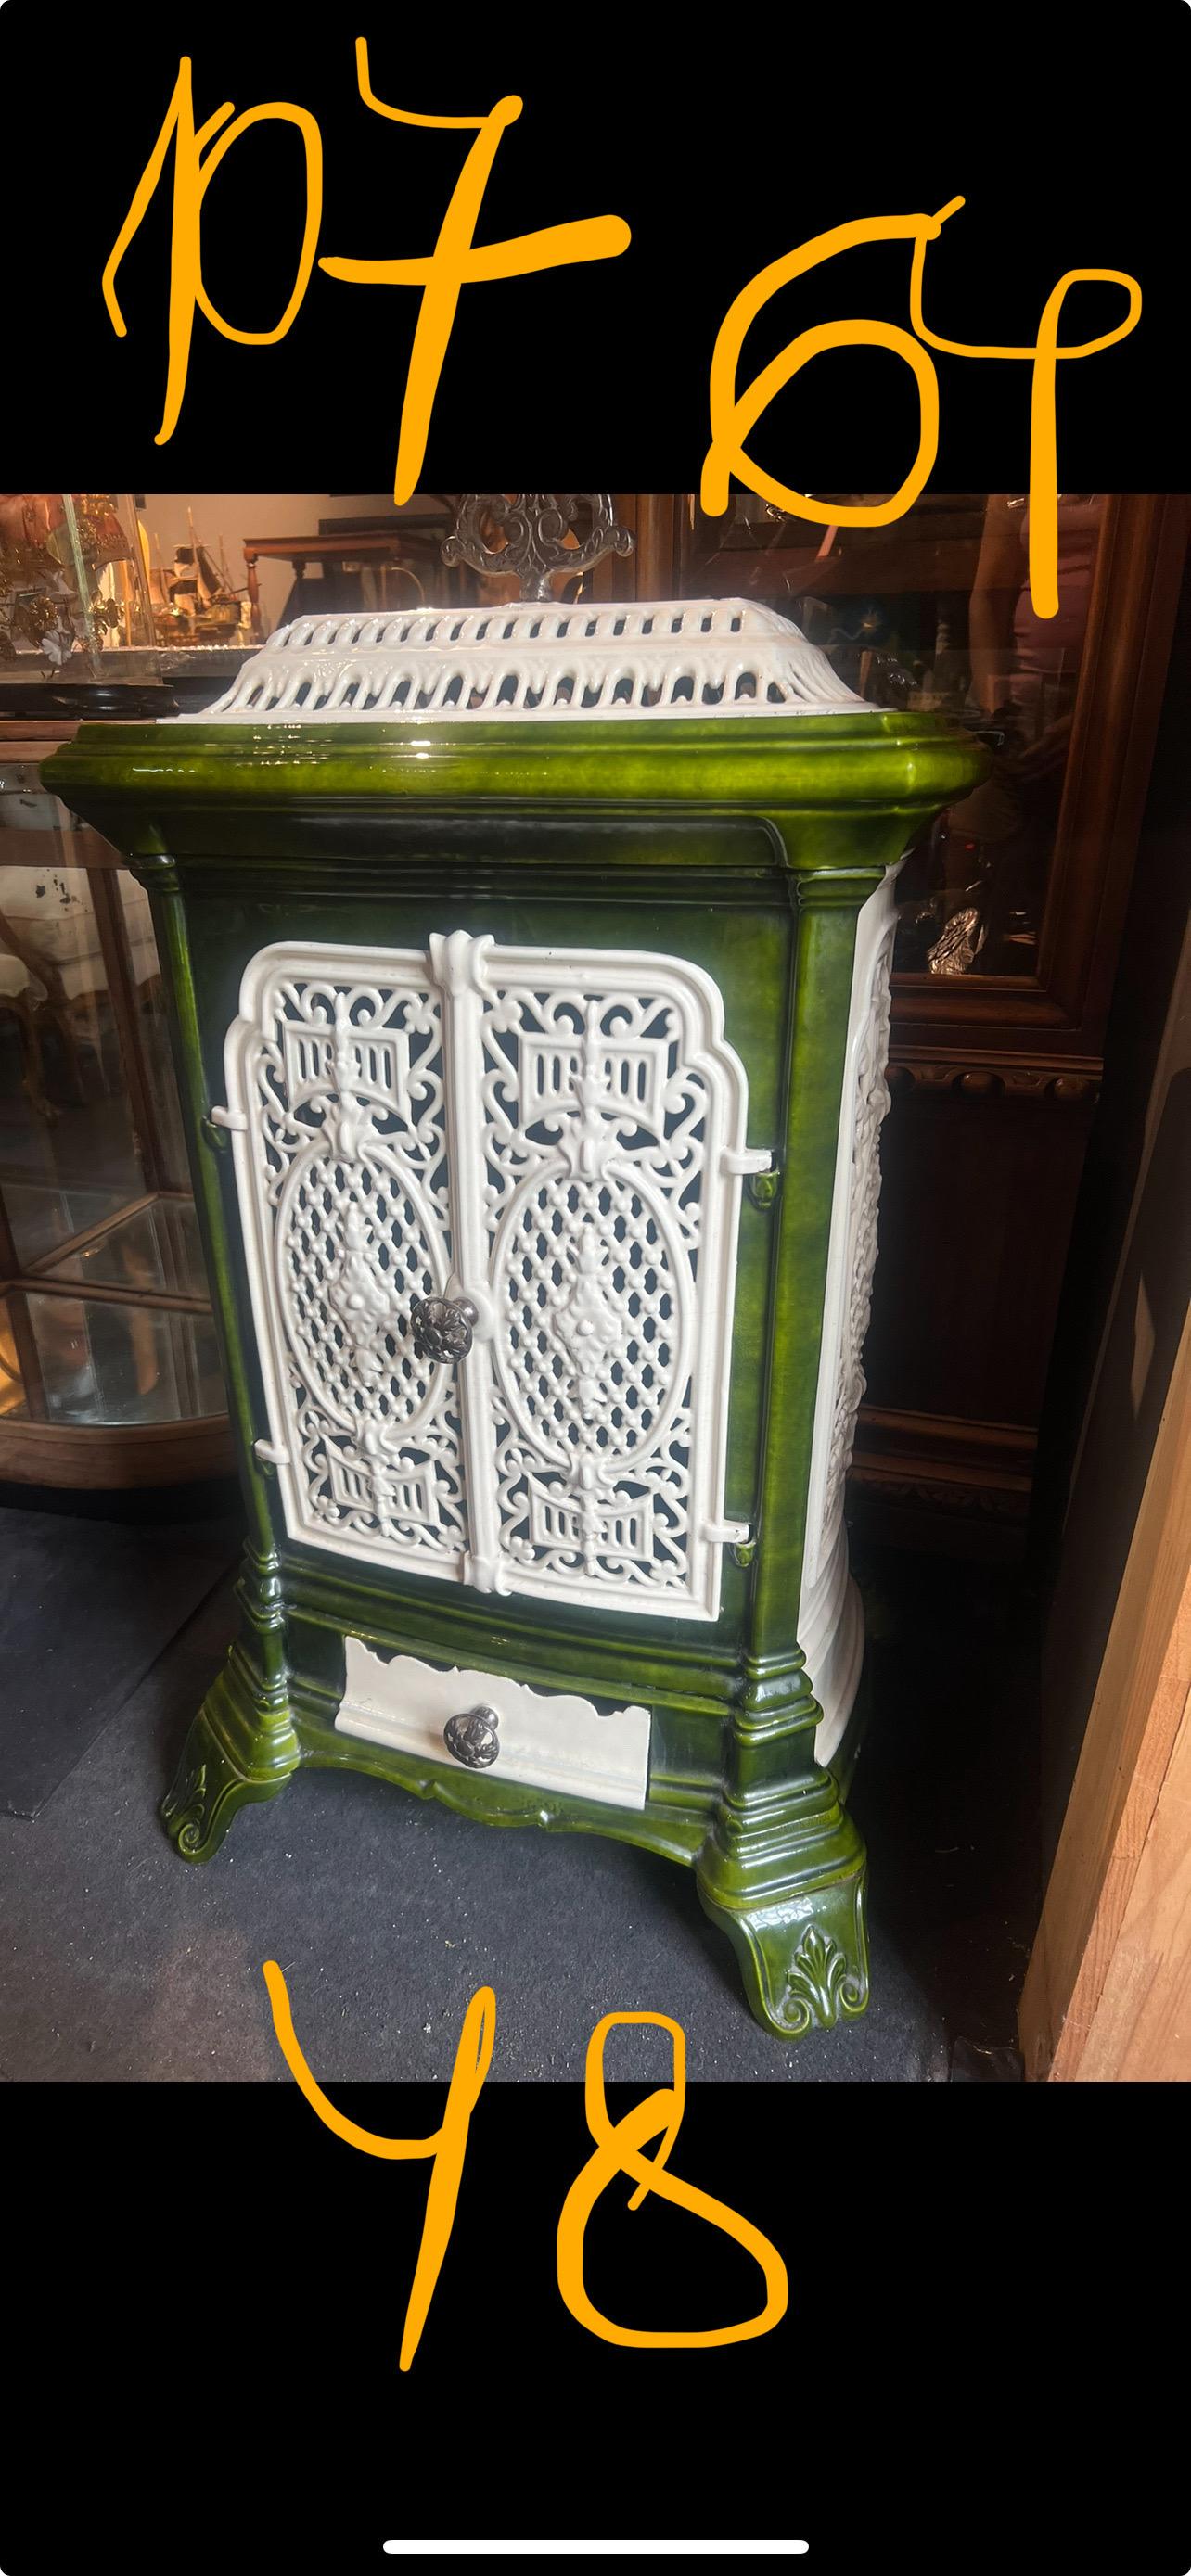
335	1072
550	1145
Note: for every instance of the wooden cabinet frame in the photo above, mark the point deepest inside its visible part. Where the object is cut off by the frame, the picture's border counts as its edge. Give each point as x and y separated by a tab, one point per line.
1107	1996
1036	1038
1058	1015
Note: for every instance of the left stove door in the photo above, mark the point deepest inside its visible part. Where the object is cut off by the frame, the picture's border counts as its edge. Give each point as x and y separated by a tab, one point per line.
336	1088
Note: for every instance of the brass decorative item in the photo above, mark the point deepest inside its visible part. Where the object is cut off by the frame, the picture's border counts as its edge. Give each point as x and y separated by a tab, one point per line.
195	601
54	549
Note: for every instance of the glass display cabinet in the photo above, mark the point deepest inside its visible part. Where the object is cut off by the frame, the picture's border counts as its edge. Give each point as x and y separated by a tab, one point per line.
73	579
529	968
109	1372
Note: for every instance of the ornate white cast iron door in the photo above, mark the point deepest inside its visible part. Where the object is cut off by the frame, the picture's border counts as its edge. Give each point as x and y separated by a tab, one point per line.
490	1201
336	1101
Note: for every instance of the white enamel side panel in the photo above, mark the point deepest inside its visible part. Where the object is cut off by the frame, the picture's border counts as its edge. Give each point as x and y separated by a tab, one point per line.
557	1136
830	1625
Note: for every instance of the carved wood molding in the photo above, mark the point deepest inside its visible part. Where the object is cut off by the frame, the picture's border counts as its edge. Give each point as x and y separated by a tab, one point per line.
939	1493
112	1455
1075	1085
982	1471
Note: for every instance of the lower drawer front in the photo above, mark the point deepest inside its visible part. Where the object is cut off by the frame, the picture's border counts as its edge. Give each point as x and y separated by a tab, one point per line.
483	1723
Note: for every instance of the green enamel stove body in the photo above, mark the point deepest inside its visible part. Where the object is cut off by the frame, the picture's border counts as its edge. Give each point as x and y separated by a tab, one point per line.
532	1074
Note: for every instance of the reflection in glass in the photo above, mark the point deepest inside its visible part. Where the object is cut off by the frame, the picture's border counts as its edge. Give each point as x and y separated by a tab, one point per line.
103	1362
67	1143
153	1035
43	1215
156	1247
92	1158
934	613
72	578
13	1405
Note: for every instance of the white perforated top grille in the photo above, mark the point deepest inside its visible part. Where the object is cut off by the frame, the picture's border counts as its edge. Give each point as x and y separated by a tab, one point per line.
703	657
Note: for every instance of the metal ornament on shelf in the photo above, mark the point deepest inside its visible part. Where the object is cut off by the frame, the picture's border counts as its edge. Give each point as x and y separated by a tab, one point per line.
959	942
538	525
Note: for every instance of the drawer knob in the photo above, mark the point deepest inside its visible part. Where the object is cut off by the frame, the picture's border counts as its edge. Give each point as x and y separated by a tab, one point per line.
442	1327
472	1738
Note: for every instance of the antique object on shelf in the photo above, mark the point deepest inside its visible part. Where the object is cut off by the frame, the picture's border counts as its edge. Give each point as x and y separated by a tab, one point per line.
196	602
541	536
404	552
109	1373
72	578
530	979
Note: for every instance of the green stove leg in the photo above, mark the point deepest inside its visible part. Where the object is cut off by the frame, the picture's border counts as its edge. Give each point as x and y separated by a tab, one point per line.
242	1745
788	1888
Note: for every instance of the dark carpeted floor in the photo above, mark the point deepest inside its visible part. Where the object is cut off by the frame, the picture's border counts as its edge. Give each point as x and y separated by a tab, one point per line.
124	1962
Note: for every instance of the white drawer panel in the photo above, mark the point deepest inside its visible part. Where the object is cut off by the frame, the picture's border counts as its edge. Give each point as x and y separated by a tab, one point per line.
546	1739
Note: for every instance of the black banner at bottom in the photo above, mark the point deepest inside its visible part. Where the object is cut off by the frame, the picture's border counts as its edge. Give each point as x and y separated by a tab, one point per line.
206	2296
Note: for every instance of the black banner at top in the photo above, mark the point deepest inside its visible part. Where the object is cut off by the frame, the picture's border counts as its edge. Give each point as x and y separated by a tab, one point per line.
274	249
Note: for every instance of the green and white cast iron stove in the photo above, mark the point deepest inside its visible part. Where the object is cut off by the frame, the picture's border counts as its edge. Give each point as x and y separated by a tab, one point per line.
529	970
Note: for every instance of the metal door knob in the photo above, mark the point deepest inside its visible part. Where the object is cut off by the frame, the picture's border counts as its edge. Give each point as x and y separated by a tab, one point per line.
442	1327
471	1737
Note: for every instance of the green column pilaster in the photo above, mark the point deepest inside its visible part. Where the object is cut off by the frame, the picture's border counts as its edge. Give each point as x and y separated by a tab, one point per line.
243	1744
783	1869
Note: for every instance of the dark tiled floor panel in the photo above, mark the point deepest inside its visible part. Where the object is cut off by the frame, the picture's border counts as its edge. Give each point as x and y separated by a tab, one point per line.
120	1961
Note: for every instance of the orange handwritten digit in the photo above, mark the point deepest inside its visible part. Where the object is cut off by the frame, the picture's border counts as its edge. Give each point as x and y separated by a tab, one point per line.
735	414
447	2146
619	2150
1041	355
455	261
192	178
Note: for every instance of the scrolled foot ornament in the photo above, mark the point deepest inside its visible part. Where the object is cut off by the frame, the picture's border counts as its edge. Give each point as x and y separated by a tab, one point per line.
241	1749
198	1809
184	1809
804	1957
821	1989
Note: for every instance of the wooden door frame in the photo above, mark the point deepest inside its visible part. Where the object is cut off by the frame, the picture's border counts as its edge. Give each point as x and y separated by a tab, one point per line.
1107	1996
